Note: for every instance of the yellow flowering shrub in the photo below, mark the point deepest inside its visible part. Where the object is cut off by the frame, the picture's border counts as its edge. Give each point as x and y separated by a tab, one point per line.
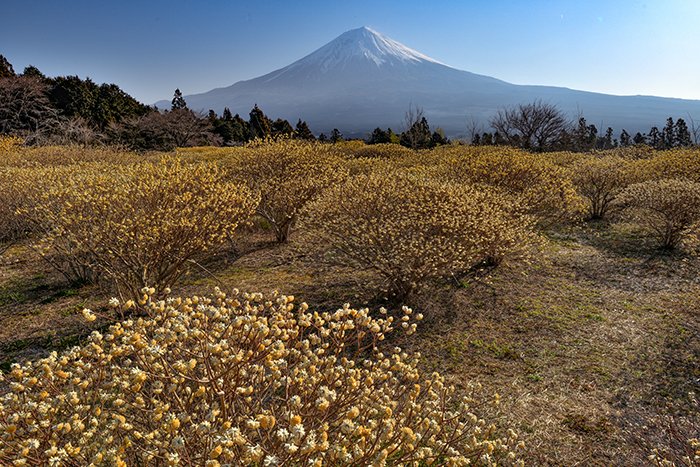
140	224
410	228
375	151
670	209
44	156
545	188
675	163
287	174
634	152
15	187
565	158
241	380
23	188
227	156
600	179
9	143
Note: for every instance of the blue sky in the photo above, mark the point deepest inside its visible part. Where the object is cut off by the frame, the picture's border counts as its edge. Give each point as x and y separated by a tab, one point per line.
151	47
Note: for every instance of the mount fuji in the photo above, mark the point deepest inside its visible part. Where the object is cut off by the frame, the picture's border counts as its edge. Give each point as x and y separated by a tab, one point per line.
362	80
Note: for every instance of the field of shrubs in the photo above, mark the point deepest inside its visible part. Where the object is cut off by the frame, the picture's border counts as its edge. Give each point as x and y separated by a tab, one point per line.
297	303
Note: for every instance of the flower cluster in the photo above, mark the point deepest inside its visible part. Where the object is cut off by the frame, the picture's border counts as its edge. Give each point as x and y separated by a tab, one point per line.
679	163
137	224
17	155
543	187
287	174
8	143
360	150
411	228
241	380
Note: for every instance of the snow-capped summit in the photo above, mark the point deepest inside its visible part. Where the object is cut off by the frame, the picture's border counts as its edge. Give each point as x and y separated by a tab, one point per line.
362	80
365	44
359	53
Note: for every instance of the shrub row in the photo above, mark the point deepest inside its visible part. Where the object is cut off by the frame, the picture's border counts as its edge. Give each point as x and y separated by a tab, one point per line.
413	217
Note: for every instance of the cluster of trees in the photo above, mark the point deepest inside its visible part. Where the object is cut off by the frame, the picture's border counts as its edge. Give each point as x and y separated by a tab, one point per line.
417	134
233	129
47	109
541	126
68	109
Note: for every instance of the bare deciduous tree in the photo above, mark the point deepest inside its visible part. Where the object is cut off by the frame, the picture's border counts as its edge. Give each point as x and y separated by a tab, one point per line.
24	107
694	130
474	129
165	131
537	125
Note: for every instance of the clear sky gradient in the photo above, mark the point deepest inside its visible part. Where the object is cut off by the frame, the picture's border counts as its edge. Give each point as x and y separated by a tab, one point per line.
150	47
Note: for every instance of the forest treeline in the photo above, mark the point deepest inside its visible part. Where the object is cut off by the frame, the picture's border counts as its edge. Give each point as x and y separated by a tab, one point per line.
70	110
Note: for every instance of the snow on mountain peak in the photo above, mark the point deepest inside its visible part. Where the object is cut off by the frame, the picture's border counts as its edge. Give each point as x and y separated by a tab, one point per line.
373	46
357	45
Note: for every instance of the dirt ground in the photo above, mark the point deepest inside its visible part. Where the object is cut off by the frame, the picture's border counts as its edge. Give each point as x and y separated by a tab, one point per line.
593	347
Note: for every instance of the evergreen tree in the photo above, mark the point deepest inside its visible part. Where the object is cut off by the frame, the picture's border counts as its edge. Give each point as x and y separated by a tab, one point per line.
625	139
281	127
6	70
418	136
241	129
438	138
497	139
378	136
584	136
682	134
303	131
73	97
608	139
639	138
336	136
322	138
668	134
259	125
231	129
654	139
592	136
178	101
112	105
34	72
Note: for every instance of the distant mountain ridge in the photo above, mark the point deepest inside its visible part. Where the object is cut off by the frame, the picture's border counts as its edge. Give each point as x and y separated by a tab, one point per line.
362	80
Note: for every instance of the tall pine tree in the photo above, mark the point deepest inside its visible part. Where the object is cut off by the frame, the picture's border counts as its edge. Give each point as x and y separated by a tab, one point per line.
302	131
178	101
281	127
336	136
6	70
668	134
681	136
625	138
259	125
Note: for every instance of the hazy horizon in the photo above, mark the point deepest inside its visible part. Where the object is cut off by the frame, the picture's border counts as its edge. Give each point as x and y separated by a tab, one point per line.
626	48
